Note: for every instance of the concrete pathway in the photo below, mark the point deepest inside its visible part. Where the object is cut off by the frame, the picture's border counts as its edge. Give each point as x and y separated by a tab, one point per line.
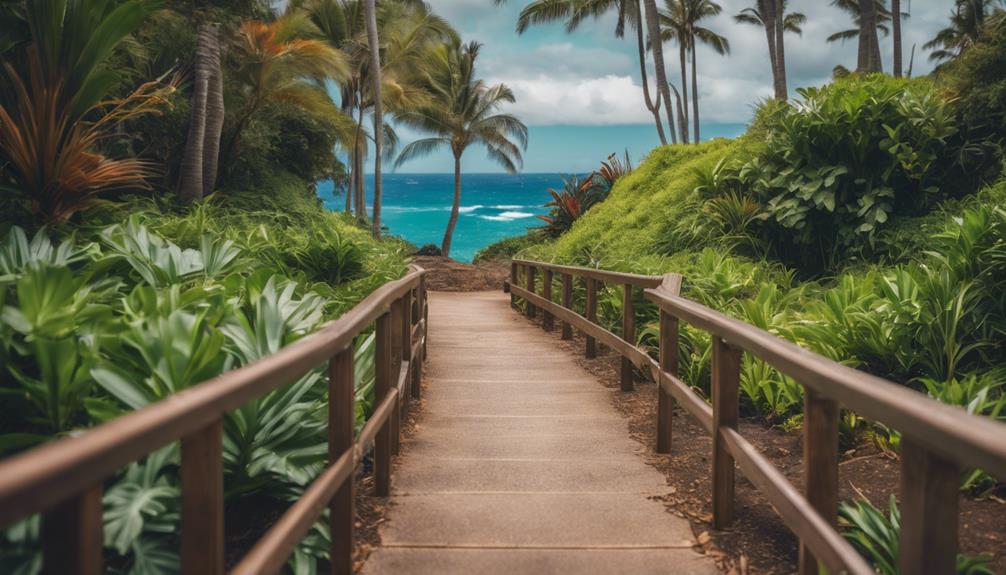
521	463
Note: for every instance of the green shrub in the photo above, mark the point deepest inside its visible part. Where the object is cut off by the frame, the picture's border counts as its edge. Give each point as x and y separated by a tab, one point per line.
507	248
839	164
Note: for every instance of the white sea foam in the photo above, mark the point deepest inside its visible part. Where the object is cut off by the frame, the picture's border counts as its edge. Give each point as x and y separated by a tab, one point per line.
507	216
509	207
466	209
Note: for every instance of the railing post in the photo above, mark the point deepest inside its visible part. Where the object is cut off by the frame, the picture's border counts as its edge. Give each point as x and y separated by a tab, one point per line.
424	313
529	271
628	334
567	302
416	362
547	321
406	336
396	372
203	501
590	312
930	488
513	282
72	536
341	426
820	464
726	406
668	363
382	387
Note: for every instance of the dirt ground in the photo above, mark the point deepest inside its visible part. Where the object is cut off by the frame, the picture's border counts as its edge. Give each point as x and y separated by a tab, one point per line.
446	274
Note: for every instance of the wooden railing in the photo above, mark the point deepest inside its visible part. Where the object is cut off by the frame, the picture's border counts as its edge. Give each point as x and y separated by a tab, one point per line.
63	480
938	441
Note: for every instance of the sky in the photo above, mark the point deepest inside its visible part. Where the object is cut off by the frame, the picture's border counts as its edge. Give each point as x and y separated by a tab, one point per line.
581	97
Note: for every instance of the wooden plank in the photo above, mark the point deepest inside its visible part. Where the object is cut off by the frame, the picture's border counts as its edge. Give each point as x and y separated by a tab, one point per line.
382	387
930	491
726	406
829	546
425	313
603	276
547	320
42	477
529	273
820	465
970	441
668	364
72	535
629	335
567	302
203	501
591	314
341	429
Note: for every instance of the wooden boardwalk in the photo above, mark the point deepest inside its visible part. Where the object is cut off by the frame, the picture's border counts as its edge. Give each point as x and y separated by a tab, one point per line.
521	463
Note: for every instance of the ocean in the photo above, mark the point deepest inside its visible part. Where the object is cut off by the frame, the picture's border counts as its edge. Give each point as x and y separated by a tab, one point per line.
493	206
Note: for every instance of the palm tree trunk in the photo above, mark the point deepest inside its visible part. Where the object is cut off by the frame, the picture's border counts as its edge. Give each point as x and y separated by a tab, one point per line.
684	87
653	29
782	90
445	247
375	76
360	196
896	32
214	114
654	108
767	9
190	181
868	57
695	95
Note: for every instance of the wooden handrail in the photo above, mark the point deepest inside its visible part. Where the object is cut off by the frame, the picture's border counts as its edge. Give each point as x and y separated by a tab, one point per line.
62	479
939	440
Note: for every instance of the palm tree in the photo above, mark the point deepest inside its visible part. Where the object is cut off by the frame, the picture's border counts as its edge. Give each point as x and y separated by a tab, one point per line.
896	32
198	171
277	63
657	46
463	111
967	25
869	47
872	16
681	21
405	30
574	12
767	14
370	11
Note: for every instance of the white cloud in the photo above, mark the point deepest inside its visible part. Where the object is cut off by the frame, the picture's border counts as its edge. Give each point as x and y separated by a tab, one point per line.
589	101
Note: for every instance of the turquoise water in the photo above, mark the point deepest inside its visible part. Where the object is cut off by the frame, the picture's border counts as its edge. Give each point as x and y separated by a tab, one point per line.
493	207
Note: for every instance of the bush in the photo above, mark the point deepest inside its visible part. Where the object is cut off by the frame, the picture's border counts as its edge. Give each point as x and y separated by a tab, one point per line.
837	166
507	248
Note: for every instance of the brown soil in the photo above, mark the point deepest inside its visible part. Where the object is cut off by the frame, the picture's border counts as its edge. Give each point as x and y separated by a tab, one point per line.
759	542
446	274
371	511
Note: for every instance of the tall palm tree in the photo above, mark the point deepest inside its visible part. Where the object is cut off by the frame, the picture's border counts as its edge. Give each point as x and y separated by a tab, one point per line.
277	62
198	170
657	46
463	111
405	30
573	12
767	14
896	33
872	16
370	10
682	21
967	24
869	46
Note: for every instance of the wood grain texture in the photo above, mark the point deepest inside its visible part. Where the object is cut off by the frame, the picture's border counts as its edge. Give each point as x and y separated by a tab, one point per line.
820	464
203	501
72	536
629	336
567	302
341	431
930	492
726	408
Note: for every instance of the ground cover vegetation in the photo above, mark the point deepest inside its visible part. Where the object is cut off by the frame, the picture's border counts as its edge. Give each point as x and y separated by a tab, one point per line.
863	220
